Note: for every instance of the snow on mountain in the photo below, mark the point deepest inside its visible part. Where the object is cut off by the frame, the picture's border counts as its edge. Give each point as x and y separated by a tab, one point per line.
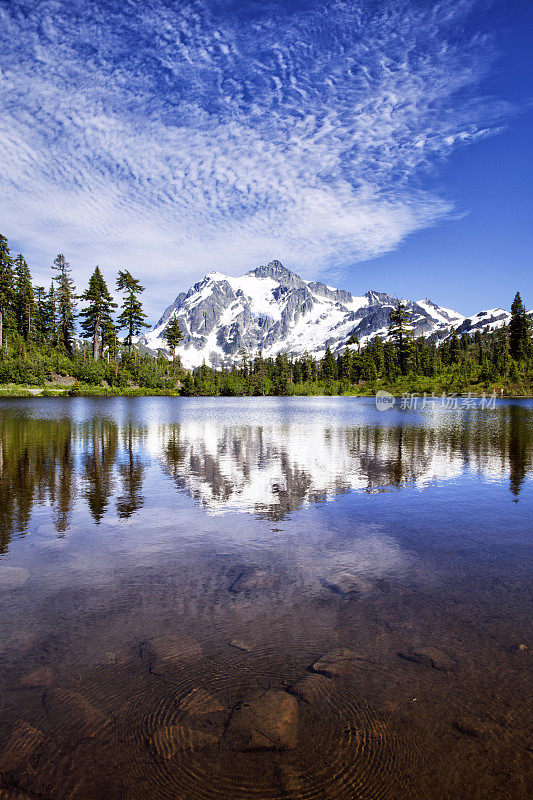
272	310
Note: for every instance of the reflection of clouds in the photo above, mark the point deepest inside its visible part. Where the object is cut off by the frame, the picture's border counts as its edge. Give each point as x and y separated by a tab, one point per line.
273	469
354	563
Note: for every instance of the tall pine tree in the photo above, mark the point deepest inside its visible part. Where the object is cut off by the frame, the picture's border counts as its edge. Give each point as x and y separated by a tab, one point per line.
65	302
96	319
24	297
519	331
39	330
132	316
173	335
7	290
401	334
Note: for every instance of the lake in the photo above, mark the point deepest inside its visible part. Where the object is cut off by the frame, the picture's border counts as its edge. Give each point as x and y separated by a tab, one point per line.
264	598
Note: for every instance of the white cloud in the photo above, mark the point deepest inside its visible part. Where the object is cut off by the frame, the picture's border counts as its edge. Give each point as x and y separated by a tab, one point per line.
172	139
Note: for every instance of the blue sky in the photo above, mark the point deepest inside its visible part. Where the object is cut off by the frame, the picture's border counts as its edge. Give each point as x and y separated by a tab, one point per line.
378	144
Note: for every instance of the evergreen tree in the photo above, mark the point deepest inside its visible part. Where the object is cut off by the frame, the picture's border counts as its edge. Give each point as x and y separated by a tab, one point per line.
24	297
7	293
454	349
96	318
66	303
132	317
478	340
401	335
39	332
50	318
328	366
519	331
110	340
173	335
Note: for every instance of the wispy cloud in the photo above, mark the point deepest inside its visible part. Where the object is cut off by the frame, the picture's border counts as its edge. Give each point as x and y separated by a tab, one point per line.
177	137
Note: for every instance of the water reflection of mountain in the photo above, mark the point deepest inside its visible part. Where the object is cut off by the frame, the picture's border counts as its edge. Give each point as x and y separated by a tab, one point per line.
271	470
267	469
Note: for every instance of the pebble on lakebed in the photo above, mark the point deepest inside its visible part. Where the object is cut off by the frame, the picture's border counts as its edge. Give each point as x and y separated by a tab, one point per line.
429	656
337	663
310	688
240	644
266	721
39	677
471	727
347	584
253	579
12	578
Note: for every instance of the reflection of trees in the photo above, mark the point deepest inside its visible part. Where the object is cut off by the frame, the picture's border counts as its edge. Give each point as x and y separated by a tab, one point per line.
101	446
270	470
66	487
131	470
520	447
36	466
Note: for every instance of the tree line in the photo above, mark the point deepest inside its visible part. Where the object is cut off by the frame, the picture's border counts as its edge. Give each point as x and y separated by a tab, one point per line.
488	359
38	327
38	340
49	317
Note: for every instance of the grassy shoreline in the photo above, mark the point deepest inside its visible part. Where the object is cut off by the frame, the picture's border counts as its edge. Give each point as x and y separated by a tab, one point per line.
86	390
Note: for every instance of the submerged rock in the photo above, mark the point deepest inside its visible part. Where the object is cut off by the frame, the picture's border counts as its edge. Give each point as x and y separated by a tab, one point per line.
253	580
199	702
20	746
171	739
337	663
167	652
429	657
347	584
39	677
471	727
240	644
73	715
12	578
311	688
267	721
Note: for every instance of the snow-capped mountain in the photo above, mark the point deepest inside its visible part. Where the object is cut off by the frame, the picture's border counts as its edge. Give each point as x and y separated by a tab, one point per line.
272	310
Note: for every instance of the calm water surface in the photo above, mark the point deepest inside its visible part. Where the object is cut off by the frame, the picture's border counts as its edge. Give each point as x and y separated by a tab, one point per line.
264	598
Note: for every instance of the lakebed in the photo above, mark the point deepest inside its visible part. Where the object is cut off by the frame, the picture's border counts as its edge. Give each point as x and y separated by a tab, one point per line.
264	597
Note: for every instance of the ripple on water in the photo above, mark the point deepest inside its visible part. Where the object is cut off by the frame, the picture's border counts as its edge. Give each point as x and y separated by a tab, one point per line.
345	748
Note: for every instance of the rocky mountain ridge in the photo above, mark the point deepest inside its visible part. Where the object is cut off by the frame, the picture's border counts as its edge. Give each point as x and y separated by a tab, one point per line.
271	309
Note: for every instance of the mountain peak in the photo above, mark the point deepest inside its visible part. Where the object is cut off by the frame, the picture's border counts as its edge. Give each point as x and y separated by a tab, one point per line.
273	310
275	269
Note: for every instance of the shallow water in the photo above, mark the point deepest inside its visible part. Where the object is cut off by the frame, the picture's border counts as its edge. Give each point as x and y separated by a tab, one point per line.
172	568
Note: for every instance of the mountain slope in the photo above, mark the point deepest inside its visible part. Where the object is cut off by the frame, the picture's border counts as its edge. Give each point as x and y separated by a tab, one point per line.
274	310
